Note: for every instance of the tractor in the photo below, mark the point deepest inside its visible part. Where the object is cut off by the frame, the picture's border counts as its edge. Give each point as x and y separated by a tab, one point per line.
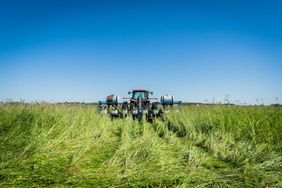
139	105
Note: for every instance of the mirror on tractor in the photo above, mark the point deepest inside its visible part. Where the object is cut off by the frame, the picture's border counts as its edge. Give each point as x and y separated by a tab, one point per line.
129	92
151	93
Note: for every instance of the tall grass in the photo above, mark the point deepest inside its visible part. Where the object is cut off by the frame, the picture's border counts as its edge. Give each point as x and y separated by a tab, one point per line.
72	145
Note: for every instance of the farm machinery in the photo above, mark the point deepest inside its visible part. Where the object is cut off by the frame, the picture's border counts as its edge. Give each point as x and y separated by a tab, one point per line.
139	105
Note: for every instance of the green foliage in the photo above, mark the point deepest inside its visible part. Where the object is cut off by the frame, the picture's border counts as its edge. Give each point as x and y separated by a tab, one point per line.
200	146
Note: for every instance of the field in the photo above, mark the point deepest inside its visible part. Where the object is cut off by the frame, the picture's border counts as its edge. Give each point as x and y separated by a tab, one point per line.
200	146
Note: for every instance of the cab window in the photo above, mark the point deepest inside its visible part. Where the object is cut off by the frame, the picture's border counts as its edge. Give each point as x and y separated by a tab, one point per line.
137	94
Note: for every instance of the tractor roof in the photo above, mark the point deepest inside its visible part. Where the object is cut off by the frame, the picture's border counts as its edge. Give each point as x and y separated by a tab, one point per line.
140	90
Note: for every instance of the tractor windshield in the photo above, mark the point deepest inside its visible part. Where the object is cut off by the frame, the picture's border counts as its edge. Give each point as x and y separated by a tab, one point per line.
137	94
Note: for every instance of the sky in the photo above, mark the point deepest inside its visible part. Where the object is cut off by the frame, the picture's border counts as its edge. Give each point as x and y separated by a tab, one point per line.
198	51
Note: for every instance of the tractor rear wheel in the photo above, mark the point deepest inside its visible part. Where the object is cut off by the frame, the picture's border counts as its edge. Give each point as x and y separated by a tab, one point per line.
149	116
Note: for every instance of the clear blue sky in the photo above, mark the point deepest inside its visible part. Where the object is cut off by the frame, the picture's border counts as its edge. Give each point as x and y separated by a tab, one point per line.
196	50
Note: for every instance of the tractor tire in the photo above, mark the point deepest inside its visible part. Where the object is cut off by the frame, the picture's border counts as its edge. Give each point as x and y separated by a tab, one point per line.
149	117
134	117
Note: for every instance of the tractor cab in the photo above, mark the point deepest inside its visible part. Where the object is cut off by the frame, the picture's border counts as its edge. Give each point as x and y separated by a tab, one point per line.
141	94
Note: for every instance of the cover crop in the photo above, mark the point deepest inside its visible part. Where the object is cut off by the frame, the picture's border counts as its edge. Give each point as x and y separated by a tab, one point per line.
72	145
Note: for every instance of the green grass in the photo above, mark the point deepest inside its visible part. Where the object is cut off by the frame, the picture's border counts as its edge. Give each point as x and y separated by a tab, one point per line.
200	146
